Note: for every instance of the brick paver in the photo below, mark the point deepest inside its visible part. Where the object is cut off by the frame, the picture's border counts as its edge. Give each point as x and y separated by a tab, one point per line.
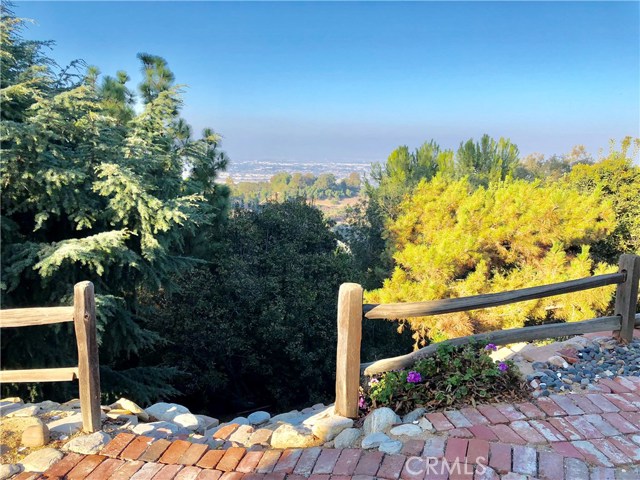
560	437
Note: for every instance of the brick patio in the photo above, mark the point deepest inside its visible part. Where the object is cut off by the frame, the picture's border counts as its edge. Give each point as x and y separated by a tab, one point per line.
594	435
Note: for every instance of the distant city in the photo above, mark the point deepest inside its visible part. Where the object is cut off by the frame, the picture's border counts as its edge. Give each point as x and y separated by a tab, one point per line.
260	171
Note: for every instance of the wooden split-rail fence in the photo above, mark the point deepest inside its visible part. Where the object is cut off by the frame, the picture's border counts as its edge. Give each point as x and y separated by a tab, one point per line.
351	311
83	316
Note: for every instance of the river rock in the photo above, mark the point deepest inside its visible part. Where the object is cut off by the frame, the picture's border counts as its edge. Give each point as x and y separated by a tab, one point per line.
35	436
380	420
159	429
88	444
289	436
426	425
406	429
414	415
186	420
165	411
9	470
240	421
327	429
48	405
66	425
258	418
132	408
347	438
242	434
26	411
205	422
287	417
391	447
374	440
40	460
558	361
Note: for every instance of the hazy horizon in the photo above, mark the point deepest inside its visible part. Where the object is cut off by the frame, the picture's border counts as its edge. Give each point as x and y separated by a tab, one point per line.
349	82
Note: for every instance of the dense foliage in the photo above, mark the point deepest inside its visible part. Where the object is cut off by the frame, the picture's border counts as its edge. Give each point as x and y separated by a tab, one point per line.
93	190
260	320
454	376
285	185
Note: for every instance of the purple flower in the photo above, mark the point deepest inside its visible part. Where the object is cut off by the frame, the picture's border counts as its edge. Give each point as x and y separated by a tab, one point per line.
491	346
414	377
362	403
503	367
373	381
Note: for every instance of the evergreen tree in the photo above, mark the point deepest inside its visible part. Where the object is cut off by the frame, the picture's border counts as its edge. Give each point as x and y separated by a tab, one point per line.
91	191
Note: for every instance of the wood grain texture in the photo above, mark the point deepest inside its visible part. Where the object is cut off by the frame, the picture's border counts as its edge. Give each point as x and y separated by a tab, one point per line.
627	297
39	375
500	337
348	353
88	363
450	305
26	317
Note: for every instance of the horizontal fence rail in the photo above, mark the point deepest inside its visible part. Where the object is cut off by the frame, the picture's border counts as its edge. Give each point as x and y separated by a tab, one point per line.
451	305
26	317
83	316
499	337
622	323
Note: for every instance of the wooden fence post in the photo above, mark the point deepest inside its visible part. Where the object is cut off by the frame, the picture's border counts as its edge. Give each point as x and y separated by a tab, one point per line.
348	357
627	297
84	319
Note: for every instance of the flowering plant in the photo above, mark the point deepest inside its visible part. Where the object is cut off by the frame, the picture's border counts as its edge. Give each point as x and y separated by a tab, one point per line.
453	376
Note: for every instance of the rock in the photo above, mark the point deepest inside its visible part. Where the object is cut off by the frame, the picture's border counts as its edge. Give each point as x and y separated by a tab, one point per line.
285	417
240	421
347	438
380	420
327	429
48	405
35	436
319	415
391	447
8	470
414	416
8	407
40	460
132	408
26	411
242	435
11	400
260	437
88	444
205	422
558	361
374	440
72	404
406	429
258	418
159	429
186	420
165	411
289	436
66	425
426	425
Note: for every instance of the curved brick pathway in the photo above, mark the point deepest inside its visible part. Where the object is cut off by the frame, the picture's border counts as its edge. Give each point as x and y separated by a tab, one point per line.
594	435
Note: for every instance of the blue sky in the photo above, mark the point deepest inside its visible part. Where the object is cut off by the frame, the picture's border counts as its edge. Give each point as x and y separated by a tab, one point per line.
351	81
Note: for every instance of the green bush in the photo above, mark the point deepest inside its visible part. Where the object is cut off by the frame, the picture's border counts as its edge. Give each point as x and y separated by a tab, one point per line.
454	376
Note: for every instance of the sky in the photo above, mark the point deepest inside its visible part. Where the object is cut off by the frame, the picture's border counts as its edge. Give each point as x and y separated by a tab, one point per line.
351	81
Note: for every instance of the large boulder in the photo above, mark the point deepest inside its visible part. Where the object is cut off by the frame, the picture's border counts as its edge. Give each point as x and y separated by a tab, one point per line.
66	425
326	429
40	460
380	420
289	436
165	411
88	444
